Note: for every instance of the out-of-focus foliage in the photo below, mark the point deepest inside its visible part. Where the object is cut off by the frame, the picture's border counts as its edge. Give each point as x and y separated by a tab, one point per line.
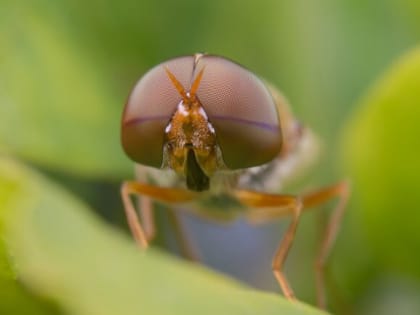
90	269
14	298
57	104
380	150
67	66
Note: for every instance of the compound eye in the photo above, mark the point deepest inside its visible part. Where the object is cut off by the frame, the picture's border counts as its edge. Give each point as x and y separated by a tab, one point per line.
149	108
242	111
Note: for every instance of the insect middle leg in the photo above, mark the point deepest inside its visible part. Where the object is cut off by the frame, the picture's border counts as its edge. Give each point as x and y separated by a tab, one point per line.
186	246
342	192
145	207
266	207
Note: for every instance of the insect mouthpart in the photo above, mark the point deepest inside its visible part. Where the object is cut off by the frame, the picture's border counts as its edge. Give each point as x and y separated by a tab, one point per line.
197	180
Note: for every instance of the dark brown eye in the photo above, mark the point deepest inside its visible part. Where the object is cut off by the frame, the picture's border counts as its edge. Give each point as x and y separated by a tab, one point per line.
149	108
242	111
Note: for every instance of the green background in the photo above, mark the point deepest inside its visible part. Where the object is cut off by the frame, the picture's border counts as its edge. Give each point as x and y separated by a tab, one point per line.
351	71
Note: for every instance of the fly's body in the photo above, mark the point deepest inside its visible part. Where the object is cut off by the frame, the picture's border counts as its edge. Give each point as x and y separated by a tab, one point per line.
209	137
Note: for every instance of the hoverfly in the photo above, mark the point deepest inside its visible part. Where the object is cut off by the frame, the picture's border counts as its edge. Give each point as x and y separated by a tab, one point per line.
208	132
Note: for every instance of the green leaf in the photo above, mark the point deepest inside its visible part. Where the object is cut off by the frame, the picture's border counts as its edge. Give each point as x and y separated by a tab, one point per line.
56	107
14	298
61	250
380	151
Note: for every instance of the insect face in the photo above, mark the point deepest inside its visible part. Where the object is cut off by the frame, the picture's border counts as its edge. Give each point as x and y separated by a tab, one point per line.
190	139
198	115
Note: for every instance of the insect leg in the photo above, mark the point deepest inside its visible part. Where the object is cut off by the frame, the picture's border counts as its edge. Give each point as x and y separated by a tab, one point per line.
284	204
145	207
341	191
184	241
266	207
283	250
165	195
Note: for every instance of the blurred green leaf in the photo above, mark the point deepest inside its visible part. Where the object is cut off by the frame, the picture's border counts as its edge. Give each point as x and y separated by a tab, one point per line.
379	151
55	104
64	252
14	298
390	296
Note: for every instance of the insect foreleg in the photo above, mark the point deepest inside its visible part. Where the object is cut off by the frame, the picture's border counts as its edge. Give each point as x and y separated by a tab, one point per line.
283	205
143	231
265	207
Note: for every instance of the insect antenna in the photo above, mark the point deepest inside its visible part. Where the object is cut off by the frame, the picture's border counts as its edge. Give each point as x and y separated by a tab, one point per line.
196	83
176	83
